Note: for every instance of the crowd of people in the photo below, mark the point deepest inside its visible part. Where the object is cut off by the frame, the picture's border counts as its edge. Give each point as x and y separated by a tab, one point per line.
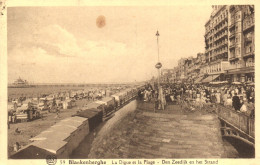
237	97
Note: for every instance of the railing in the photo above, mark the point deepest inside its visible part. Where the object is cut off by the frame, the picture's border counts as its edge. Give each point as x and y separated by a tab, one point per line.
249	53
250	64
235	66
241	121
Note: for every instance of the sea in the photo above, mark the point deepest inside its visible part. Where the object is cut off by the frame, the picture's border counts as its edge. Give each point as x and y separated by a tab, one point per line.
39	90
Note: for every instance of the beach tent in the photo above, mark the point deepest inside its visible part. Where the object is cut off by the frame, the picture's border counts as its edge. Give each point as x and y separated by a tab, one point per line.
22	108
95	117
108	101
93	105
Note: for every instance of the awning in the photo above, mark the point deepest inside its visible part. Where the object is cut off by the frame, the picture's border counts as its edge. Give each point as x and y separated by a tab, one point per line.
210	78
218	82
198	80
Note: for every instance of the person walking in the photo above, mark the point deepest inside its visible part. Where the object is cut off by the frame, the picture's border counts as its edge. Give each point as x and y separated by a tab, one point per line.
217	94
244	106
236	102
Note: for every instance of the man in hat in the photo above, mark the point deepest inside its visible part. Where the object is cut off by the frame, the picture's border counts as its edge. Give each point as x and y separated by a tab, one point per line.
236	102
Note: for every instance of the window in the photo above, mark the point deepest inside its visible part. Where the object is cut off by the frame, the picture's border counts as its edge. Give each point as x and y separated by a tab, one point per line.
249	49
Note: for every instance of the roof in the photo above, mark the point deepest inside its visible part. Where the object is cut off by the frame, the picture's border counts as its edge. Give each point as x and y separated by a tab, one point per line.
23	107
121	93
31	152
51	135
10	106
50	145
90	113
63	128
82	119
71	122
93	105
106	99
115	96
101	102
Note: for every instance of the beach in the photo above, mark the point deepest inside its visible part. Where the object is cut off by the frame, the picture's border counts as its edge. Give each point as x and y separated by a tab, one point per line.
32	128
35	127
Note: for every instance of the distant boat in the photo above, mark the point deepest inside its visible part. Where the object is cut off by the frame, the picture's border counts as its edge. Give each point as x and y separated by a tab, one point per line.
20	83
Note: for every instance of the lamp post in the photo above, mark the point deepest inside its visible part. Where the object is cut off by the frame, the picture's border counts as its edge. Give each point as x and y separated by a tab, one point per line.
158	65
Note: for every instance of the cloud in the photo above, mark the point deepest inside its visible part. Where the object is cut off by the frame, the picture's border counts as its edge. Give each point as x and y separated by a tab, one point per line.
56	56
56	40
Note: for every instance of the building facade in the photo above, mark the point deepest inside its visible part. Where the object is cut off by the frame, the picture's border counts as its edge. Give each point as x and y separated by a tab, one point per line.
216	44
229	44
242	44
229	49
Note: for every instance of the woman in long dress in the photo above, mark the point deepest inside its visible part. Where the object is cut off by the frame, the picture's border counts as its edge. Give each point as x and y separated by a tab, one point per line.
217	97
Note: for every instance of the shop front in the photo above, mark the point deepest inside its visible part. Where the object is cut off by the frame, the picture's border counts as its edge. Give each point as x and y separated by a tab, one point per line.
245	74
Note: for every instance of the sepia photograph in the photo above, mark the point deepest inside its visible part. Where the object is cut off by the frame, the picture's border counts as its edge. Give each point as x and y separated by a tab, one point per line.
131	82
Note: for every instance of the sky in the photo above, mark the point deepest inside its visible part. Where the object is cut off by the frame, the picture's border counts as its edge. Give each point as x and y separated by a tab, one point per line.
65	45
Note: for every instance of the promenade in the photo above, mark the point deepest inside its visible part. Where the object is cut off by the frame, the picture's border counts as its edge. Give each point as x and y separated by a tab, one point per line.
172	133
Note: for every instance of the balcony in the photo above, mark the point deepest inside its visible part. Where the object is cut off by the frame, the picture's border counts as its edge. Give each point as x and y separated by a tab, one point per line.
232	23
232	34
222	27
233	57
248	54
249	22
232	45
248	39
225	50
235	66
221	45
210	34
219	41
250	64
221	53
221	31
225	33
